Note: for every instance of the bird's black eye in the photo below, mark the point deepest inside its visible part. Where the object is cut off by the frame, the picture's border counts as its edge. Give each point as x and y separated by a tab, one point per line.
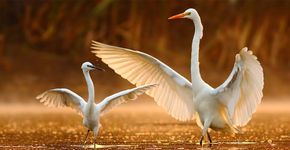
188	13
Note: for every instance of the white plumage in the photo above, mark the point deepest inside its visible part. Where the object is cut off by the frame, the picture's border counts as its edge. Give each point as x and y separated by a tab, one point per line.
140	68
61	97
223	108
90	111
242	91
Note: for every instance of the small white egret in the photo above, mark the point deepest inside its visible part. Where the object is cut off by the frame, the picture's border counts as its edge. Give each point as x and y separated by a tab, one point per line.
226	107
90	111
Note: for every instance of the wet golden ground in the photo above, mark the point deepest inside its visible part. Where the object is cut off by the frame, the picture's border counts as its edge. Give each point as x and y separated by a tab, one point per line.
136	126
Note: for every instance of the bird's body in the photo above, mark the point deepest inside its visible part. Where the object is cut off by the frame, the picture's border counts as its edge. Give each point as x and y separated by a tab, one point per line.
90	111
223	108
209	109
91	118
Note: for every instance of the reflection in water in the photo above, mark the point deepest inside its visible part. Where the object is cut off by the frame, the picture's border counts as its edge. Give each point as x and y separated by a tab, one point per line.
238	143
104	146
233	145
229	142
22	147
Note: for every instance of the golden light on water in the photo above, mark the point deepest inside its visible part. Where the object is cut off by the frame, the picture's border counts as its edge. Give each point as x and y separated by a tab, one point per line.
138	125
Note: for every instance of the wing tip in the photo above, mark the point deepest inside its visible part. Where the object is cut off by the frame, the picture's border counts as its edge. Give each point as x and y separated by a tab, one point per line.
96	45
245	49
246	53
38	97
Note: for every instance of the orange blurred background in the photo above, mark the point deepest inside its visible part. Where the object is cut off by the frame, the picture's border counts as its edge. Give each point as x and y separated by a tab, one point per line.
43	43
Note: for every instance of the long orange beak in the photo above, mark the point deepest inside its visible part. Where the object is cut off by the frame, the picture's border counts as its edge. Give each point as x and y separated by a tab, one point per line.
178	16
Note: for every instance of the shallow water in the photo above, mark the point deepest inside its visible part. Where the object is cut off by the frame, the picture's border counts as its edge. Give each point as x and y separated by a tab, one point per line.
133	127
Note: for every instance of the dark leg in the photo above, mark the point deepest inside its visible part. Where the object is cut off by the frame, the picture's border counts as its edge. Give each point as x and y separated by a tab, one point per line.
204	130
94	141
210	141
96	131
200	142
86	137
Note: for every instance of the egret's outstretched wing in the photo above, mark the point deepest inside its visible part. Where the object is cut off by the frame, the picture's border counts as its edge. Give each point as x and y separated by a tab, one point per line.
124	96
61	97
242	91
174	91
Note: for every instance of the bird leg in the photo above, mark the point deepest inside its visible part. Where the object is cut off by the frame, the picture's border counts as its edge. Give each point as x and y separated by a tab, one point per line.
210	141
200	141
96	131
86	137
204	130
94	141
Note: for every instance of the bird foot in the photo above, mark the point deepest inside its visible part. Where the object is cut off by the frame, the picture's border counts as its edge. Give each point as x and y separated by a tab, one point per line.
209	138
210	144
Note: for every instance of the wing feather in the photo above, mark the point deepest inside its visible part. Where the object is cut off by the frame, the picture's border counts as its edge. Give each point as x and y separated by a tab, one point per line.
61	97
174	92
122	97
242	91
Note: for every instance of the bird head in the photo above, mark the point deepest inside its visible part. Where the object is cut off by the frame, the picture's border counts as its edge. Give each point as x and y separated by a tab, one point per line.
189	14
87	66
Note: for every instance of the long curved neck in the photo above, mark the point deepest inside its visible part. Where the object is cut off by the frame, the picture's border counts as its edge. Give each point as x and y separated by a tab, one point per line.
196	79
91	90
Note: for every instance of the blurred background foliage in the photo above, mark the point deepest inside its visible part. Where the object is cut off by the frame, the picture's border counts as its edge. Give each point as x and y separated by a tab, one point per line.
43	43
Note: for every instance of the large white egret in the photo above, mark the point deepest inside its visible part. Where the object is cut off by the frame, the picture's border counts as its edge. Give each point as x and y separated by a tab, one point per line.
90	111
226	107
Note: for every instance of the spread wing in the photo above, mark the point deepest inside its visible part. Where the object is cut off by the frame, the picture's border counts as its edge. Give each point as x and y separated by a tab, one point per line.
242	91
173	92
61	97
122	97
